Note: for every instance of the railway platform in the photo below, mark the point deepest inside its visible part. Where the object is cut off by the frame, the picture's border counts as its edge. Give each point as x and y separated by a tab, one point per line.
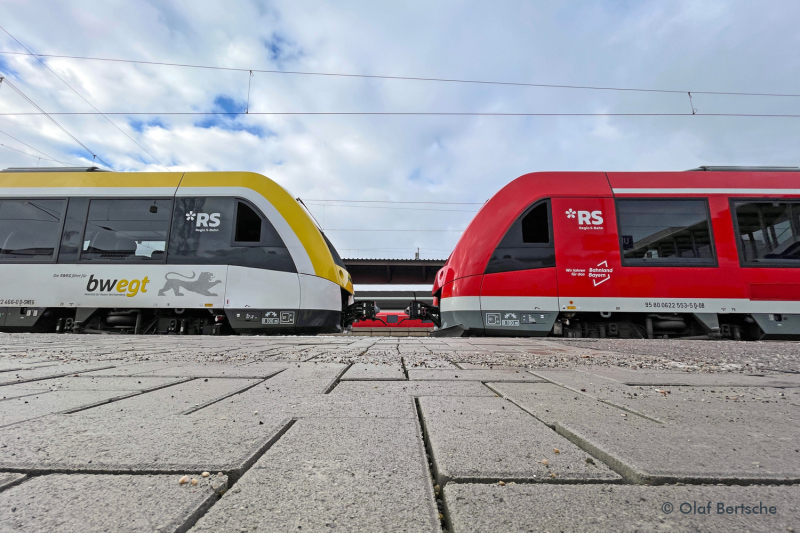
178	433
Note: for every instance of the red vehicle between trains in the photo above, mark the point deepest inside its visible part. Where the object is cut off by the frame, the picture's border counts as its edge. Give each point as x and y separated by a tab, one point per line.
710	252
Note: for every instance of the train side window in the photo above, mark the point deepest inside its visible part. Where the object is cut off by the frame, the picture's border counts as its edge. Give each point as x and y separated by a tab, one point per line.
126	230
665	232
30	229
225	231
769	232
527	244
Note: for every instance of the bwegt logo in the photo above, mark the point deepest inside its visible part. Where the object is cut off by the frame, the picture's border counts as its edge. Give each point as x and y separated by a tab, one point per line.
593	218
128	287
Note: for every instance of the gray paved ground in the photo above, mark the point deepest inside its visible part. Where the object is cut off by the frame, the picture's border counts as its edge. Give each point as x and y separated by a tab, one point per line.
397	434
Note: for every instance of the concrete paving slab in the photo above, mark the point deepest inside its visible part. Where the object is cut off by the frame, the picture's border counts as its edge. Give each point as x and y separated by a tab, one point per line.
306	378
437	374
343	474
695	379
625	508
553	404
176	399
23	389
411	388
83	383
491	439
45	372
259	402
9	479
372	372
16	364
218	370
84	443
133	369
710	442
15	410
123	503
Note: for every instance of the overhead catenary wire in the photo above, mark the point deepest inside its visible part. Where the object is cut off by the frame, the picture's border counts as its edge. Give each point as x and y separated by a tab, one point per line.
26	153
62	128
397	202
397	208
402	230
85	100
412	78
47	156
406	113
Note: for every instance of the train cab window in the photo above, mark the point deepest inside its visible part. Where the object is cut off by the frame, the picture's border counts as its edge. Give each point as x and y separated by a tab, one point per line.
225	231
665	232
336	258
30	229
129	230
527	244
769	232
248	224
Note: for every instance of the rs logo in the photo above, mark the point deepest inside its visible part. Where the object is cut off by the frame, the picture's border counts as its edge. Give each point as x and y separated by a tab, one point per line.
587	218
205	220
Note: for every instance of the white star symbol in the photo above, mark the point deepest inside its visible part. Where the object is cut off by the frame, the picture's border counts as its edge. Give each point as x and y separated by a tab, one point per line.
190	215
570	214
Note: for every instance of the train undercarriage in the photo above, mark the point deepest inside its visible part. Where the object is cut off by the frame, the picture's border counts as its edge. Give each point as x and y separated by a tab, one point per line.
176	321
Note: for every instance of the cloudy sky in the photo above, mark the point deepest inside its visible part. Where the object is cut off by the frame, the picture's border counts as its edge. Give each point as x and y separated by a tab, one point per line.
678	45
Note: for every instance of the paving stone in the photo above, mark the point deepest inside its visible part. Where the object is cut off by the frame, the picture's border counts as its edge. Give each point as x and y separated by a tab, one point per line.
16	364
707	441
720	379
217	370
553	404
411	388
437	374
343	474
371	372
44	372
83	383
306	378
15	410
491	439
133	369
121	503
668	402
178	398
83	442
260	402
625	508
8	479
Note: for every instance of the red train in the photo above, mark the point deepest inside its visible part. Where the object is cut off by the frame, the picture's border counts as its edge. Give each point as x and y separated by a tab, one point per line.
714	251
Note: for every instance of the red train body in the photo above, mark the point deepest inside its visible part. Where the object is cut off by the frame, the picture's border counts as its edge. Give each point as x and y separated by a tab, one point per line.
636	254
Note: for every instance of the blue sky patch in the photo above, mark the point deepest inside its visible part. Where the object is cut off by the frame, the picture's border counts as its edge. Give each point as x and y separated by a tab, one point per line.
226	104
141	125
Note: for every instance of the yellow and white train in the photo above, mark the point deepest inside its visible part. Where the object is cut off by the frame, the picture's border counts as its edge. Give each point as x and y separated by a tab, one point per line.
188	253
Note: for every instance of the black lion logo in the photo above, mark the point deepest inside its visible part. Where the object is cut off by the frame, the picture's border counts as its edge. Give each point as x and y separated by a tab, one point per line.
199	284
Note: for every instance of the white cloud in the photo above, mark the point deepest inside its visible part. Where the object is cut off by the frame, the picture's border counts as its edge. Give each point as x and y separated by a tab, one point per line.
684	45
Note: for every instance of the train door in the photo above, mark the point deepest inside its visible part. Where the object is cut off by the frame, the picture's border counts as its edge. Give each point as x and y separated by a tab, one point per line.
519	293
587	254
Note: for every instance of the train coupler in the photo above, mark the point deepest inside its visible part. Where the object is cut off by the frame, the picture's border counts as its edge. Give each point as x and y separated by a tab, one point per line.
417	310
363	310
